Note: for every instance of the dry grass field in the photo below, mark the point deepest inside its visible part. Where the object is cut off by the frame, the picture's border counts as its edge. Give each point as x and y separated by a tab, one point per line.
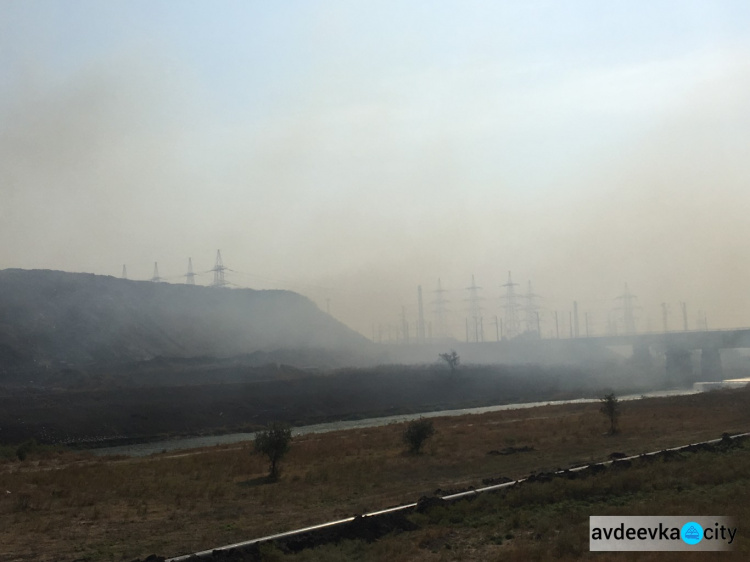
550	520
61	506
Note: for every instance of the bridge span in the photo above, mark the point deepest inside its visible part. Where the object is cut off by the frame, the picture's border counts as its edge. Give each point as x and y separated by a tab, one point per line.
694	339
677	348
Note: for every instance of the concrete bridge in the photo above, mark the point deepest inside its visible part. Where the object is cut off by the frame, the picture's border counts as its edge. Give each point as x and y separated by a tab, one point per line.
677	348
694	339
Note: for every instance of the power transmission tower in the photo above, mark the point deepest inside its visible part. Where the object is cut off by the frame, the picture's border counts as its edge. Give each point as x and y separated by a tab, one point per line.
404	325
628	308
124	271
702	321
420	318
156	278
497	328
511	308
219	269
532	310
441	330
190	276
475	310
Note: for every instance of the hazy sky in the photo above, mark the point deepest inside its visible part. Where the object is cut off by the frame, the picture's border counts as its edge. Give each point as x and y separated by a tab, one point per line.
354	150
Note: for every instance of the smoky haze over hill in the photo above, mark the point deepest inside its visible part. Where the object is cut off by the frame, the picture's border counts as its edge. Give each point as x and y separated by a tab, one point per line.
53	316
353	151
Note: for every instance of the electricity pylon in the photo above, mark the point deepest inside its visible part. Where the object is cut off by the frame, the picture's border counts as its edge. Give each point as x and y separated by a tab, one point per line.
532	311
512	327
190	276
628	308
420	318
475	310
219	269
156	278
441	330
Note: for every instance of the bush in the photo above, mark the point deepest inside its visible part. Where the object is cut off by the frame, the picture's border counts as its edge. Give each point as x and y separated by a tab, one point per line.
25	448
417	432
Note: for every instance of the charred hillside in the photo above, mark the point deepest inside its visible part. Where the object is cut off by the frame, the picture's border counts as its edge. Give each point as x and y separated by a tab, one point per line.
54	317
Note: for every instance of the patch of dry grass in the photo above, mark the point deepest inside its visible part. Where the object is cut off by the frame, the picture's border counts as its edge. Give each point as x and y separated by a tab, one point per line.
119	509
549	521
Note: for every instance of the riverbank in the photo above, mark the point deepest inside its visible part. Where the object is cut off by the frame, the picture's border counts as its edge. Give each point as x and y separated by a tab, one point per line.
63	508
139	449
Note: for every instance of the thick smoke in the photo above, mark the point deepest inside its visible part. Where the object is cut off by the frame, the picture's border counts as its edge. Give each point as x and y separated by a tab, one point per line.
357	186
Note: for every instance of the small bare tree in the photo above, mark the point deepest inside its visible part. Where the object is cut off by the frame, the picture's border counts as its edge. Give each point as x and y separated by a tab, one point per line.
611	408
273	442
452	359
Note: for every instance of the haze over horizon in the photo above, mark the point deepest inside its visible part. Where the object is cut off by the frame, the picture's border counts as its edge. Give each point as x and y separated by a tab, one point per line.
352	151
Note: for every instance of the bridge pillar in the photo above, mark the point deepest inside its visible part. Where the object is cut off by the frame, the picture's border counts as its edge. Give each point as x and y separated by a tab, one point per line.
679	366
711	369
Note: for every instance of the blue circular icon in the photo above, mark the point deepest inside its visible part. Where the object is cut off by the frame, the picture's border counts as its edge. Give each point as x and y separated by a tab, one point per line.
692	533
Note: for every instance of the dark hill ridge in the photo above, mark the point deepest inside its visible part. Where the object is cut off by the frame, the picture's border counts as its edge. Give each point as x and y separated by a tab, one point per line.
79	318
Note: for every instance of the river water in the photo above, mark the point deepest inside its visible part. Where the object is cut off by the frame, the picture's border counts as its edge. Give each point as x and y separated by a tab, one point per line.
144	449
